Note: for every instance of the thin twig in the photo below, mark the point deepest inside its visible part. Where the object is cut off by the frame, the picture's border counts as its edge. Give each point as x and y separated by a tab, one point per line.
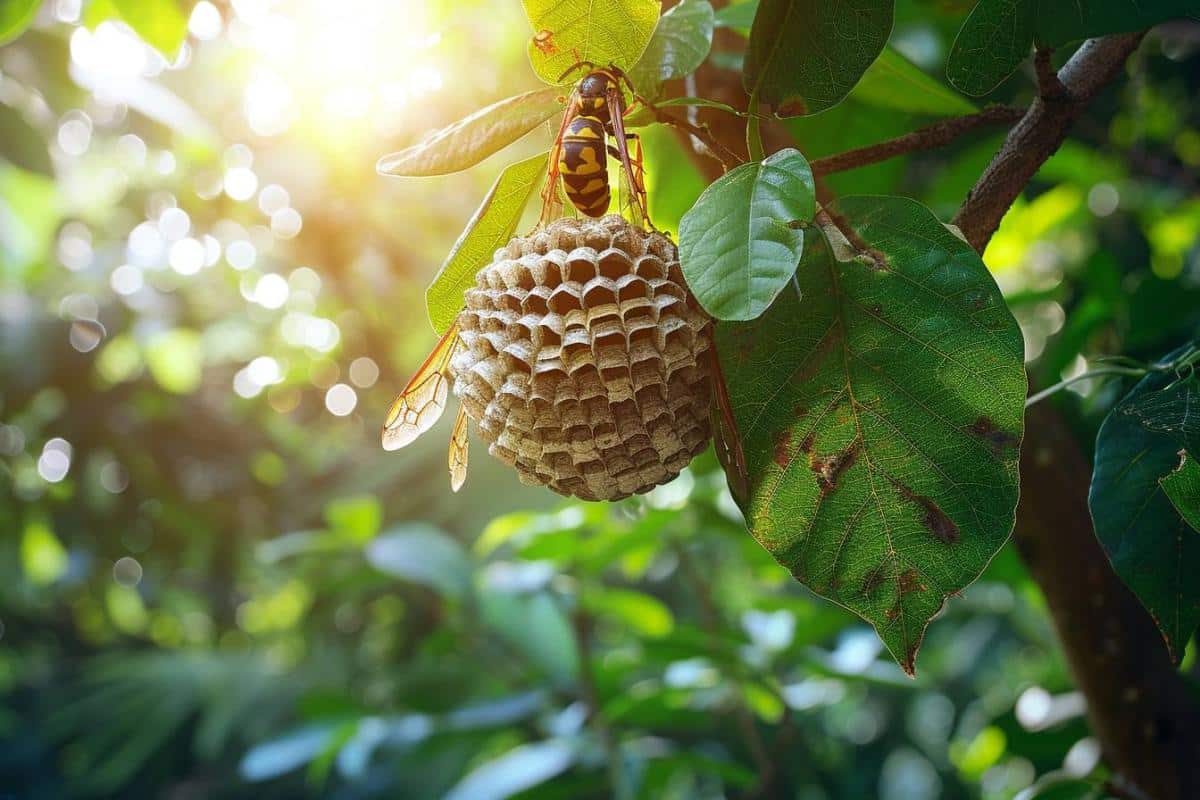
581	625
927	138
727	157
1083	376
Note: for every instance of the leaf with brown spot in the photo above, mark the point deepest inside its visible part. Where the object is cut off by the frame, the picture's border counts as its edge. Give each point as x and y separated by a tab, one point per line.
901	400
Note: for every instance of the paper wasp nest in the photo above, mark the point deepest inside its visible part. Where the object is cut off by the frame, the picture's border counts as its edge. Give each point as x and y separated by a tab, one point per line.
583	359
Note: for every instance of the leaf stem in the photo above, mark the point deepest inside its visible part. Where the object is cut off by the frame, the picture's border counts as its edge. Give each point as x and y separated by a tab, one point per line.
1100	372
754	142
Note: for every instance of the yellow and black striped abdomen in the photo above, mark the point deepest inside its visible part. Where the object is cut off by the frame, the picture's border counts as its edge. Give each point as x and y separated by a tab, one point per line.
584	166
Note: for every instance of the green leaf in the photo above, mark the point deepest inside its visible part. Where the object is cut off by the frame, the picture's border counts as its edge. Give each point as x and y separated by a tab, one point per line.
740	243
160	23
356	518
1150	545
806	55
175	359
285	754
535	626
638	612
15	17
881	418
43	557
895	82
600	31
993	40
680	44
1182	487
738	15
998	34
473	138
489	229
421	553
23	145
1059	23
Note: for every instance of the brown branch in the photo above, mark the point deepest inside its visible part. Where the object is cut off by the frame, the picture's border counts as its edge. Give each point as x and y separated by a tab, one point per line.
1147	722
932	136
1038	135
701	133
1145	717
1049	85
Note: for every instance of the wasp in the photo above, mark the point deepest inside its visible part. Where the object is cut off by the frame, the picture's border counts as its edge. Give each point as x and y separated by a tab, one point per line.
595	111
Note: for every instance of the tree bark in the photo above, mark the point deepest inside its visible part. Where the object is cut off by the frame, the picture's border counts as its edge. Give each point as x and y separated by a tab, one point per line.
1144	715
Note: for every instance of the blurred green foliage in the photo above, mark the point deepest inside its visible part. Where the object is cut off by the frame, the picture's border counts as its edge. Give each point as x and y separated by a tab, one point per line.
215	584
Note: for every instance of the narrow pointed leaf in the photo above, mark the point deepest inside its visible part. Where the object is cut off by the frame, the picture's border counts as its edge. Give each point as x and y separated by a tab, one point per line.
1151	546
740	243
600	31
492	226
472	139
881	418
806	55
895	82
680	44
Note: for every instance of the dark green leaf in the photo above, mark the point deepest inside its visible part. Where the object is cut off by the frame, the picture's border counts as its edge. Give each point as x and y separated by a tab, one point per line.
998	34
679	45
21	144
472	139
1150	545
15	17
881	419
600	31
806	55
489	229
160	23
1183	488
993	40
738	15
1059	23
895	82
422	554
534	626
741	241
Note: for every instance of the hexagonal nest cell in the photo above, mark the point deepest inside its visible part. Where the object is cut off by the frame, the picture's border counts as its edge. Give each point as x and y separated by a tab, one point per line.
584	359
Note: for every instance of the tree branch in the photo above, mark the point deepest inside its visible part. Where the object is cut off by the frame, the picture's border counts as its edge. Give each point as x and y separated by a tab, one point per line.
931	136
1147	720
1038	135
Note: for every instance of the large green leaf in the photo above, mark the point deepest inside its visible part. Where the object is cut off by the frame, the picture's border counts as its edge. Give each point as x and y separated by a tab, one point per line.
473	138
740	243
998	34
680	44
600	31
881	418
490	229
895	82
806	55
1151	546
420	553
160	23
15	17
1182	487
1059	23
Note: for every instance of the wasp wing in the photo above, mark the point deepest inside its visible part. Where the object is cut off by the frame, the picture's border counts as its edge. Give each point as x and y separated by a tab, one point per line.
423	400
633	193
551	199
727	441
458	451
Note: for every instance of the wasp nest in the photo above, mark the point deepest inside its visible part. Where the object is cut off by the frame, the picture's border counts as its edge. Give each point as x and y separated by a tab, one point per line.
585	363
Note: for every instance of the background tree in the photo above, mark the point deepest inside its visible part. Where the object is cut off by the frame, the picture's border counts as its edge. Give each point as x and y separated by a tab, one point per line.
217	585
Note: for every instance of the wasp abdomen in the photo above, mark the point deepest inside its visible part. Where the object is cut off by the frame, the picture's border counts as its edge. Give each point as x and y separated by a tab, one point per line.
584	166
